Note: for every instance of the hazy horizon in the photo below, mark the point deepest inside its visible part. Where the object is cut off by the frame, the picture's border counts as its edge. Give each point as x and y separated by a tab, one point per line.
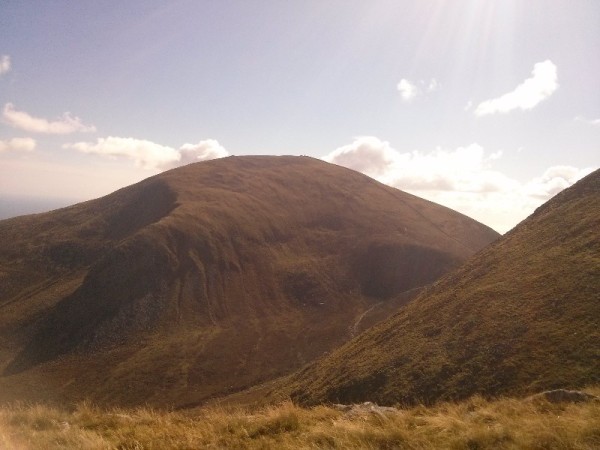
14	206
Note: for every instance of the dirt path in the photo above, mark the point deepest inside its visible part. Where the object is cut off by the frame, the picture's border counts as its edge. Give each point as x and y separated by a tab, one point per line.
354	328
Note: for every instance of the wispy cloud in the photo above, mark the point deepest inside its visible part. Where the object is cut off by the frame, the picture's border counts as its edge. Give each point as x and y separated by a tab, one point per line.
4	64
67	124
144	153
541	85
433	85
409	90
17	144
594	122
149	155
462	178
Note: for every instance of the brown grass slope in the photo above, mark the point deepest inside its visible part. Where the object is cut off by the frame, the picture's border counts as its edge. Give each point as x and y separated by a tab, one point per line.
210	278
521	316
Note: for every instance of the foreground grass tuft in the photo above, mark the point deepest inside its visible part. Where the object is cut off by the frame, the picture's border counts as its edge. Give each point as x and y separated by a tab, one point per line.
473	424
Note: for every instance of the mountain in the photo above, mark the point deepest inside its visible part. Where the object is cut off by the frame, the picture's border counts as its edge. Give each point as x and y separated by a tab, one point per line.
521	316
210	278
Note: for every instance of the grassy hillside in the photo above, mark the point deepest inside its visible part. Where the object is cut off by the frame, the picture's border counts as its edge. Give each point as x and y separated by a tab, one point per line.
473	424
521	316
211	278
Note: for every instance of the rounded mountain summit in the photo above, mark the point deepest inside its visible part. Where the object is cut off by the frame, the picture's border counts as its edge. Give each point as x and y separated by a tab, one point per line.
211	278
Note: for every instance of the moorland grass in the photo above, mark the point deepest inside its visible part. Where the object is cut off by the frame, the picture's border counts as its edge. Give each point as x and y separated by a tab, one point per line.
521	316
476	423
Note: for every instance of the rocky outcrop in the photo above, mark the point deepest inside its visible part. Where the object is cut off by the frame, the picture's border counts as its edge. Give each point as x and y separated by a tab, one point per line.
565	396
363	409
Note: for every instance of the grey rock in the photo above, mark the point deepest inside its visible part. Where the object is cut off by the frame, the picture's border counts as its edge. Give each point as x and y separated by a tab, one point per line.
566	396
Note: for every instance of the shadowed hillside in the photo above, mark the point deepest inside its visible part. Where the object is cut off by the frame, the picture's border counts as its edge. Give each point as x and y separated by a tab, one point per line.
210	278
521	316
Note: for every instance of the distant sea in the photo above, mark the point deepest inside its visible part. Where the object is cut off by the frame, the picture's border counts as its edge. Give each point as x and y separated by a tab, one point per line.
12	206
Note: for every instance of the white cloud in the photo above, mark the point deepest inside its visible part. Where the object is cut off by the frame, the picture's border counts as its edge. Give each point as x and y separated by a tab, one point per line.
409	90
65	125
541	85
594	122
4	64
202	151
144	153
149	155
462	169
554	180
367	154
17	144
462	179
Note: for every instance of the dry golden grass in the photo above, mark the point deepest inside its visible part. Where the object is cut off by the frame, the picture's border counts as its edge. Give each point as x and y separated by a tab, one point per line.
473	424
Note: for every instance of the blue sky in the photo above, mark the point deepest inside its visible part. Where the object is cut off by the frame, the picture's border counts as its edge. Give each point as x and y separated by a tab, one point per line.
487	106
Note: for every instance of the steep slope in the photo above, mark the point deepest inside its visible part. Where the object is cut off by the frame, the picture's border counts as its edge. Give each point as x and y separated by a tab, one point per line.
211	277
521	316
